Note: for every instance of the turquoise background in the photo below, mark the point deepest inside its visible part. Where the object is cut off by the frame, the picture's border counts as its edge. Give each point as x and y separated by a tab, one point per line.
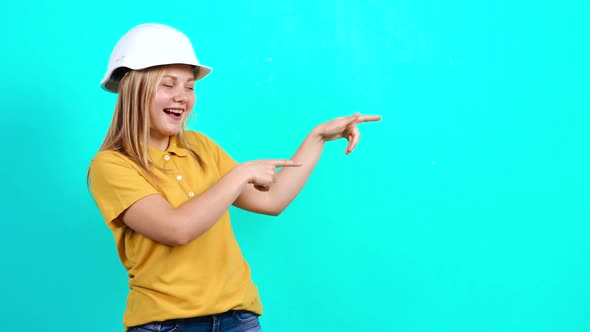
466	208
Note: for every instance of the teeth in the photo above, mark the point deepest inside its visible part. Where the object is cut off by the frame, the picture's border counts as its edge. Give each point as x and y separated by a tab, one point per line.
175	111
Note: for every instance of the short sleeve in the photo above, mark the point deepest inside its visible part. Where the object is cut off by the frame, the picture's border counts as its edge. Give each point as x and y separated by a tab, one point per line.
116	183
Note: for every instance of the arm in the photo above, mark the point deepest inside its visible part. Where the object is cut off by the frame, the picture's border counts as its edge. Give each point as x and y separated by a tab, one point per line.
290	181
155	218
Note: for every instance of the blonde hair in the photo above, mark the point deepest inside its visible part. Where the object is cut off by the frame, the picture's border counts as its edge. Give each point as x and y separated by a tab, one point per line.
129	132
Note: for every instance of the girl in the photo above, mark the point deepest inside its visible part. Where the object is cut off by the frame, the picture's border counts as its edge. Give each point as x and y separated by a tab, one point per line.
165	191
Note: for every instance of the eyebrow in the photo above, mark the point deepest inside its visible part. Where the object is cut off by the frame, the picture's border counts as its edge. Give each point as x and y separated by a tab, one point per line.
176	78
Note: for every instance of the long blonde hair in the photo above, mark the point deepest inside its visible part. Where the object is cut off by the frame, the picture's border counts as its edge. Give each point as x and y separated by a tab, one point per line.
129	132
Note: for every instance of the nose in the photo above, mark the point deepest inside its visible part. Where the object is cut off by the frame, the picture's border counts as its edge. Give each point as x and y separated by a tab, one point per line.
181	95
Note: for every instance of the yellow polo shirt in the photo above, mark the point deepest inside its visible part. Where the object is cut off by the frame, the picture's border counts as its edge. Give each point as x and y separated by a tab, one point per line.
206	276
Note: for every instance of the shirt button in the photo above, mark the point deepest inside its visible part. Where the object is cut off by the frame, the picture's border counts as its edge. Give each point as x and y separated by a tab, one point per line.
191	194
179	177
167	157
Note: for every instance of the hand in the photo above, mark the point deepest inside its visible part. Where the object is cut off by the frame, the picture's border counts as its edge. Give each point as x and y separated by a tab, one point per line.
262	173
345	127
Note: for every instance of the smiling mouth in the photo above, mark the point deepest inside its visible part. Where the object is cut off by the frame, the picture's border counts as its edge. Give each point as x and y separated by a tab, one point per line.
174	111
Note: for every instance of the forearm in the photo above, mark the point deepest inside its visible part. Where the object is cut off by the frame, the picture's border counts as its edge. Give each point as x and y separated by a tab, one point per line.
290	180
199	214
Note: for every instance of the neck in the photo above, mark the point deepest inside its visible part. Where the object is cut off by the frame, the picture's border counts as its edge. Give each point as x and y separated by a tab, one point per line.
160	142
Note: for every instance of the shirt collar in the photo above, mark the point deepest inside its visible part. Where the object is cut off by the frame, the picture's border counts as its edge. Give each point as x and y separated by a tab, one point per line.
173	148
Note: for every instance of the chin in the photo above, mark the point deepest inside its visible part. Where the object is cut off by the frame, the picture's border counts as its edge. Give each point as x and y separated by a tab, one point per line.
173	133
169	132
174	130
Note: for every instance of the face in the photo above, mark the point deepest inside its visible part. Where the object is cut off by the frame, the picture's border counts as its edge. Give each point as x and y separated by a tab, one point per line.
172	104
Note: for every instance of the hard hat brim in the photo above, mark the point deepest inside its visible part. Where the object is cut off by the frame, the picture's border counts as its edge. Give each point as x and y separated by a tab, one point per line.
113	79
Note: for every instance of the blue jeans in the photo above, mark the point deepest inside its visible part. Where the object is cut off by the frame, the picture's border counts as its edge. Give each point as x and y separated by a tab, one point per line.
231	321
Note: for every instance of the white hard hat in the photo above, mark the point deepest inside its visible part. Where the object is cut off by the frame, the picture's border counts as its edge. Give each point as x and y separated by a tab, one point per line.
149	45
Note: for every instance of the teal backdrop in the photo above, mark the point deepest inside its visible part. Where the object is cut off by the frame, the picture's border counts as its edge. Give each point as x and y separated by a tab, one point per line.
467	208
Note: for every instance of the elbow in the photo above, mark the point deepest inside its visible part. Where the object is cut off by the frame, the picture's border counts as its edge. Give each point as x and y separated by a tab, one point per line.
274	212
178	235
267	211
184	230
182	237
177	241
274	207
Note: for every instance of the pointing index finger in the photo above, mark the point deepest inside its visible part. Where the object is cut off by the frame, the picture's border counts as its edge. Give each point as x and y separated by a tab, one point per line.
368	118
286	163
